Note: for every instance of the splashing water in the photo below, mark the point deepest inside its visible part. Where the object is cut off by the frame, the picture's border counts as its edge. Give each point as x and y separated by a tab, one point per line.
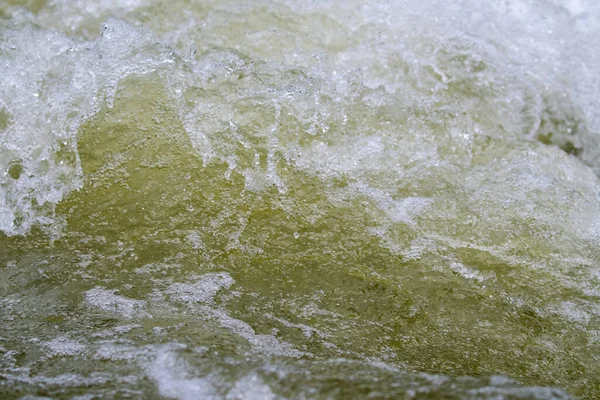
298	199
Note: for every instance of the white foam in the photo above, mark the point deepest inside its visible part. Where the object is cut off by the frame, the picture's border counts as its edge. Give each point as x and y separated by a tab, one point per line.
107	300
199	297
175	378
203	291
250	387
542	74
267	344
171	374
63	346
51	85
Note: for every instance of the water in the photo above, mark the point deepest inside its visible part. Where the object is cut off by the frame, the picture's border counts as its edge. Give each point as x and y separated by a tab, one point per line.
268	200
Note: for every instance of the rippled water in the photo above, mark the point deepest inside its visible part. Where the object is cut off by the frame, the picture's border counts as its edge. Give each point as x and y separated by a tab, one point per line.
299	199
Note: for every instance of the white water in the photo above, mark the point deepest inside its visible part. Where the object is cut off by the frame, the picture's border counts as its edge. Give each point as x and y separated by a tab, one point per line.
529	67
445	129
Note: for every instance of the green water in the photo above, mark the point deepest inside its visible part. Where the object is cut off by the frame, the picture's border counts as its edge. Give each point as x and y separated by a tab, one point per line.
231	223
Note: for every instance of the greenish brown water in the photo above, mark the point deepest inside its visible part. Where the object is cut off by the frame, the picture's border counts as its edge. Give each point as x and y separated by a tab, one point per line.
297	201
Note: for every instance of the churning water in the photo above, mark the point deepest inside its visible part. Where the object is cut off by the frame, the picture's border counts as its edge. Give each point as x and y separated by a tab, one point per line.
300	199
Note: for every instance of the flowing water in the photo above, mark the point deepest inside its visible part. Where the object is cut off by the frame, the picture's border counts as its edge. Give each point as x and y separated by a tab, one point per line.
299	199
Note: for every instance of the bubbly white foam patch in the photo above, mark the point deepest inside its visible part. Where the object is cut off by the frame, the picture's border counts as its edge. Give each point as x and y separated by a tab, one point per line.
107	300
199	297
171	375
119	352
84	397
267	344
250	387
175	378
72	380
398	210
203	291
75	13
466	272
63	346
194	240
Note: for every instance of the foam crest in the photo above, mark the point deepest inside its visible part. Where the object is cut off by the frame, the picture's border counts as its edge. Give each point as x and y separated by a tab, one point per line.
52	84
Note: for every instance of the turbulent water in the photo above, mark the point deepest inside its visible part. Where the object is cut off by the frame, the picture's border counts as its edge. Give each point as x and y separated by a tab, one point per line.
299	199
